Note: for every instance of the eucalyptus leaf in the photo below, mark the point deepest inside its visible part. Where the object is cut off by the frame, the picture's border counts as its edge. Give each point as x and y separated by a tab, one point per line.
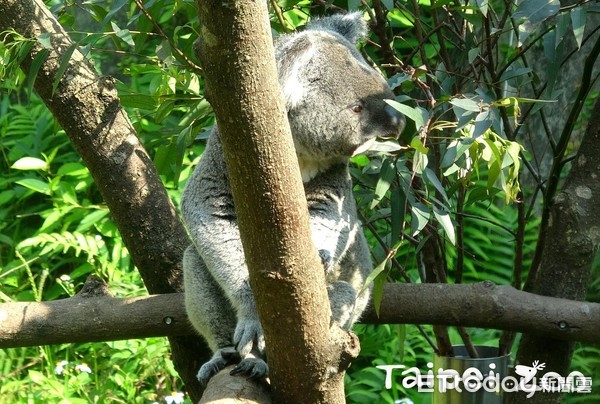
536	11
466	104
420	215
578	17
123	34
386	176
445	221
415	114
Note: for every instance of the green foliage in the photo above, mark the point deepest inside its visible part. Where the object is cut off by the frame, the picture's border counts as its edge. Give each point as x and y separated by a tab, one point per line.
88	373
466	85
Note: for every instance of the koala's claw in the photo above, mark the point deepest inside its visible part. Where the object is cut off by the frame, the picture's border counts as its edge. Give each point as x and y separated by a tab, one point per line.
221	359
252	368
249	336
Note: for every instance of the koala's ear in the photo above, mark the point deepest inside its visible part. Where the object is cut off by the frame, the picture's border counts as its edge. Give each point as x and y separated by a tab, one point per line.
351	26
292	61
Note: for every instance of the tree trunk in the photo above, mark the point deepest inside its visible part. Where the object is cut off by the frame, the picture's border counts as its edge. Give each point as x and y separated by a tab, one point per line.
286	274
88	109
572	241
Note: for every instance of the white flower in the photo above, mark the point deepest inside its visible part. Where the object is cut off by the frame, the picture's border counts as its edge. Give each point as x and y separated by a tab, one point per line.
65	278
60	367
175	398
83	368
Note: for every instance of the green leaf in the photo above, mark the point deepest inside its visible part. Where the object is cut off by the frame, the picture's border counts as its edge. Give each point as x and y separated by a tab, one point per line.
44	40
378	290
444	220
398	210
353	4
29	163
466	104
483	122
401	331
164	110
386	177
483	6
37	62
420	214
374	274
91	219
35	185
578	15
389	4
416	113
73	169
123	34
430	175
420	162
416	144
473	54
62	67
514	72
140	101
115	7
536	11
163	50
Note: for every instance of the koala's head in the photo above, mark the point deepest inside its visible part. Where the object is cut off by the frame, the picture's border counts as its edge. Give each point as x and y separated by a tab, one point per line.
335	100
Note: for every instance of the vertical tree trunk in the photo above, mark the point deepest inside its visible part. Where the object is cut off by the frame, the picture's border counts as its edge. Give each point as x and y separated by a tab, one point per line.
286	274
87	107
572	241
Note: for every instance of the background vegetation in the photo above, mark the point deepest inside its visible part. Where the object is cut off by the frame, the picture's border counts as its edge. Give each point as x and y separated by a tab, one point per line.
466	74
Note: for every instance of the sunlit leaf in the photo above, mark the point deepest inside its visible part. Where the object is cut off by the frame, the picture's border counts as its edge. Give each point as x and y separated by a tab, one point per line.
29	163
420	214
123	34
35	185
418	115
445	221
416	144
430	175
578	17
483	122
386	176
466	104
535	11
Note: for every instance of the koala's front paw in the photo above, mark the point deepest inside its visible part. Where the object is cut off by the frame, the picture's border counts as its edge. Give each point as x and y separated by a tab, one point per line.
326	260
252	368
248	336
221	358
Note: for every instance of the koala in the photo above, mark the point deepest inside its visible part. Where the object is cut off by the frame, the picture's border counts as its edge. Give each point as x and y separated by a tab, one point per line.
335	103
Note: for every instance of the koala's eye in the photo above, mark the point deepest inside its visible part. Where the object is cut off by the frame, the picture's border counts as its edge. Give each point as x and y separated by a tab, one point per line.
357	108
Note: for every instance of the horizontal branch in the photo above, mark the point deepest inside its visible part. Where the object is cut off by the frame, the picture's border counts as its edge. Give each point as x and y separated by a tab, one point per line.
484	305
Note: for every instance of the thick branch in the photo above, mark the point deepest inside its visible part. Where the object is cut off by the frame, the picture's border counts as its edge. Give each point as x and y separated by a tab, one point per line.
88	109
479	305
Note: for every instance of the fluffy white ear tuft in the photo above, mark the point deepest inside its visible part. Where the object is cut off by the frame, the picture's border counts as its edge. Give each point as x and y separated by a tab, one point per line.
293	85
351	26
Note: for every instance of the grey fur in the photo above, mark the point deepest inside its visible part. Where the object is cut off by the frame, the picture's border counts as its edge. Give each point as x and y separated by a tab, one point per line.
335	104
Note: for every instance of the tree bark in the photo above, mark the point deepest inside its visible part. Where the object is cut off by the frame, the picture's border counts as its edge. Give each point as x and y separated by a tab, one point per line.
286	275
572	241
483	305
87	107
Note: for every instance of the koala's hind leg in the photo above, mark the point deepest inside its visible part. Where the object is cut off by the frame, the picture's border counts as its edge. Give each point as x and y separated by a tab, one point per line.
210	313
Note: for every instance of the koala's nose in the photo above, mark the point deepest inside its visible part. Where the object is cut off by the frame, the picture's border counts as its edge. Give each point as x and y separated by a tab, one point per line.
396	119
